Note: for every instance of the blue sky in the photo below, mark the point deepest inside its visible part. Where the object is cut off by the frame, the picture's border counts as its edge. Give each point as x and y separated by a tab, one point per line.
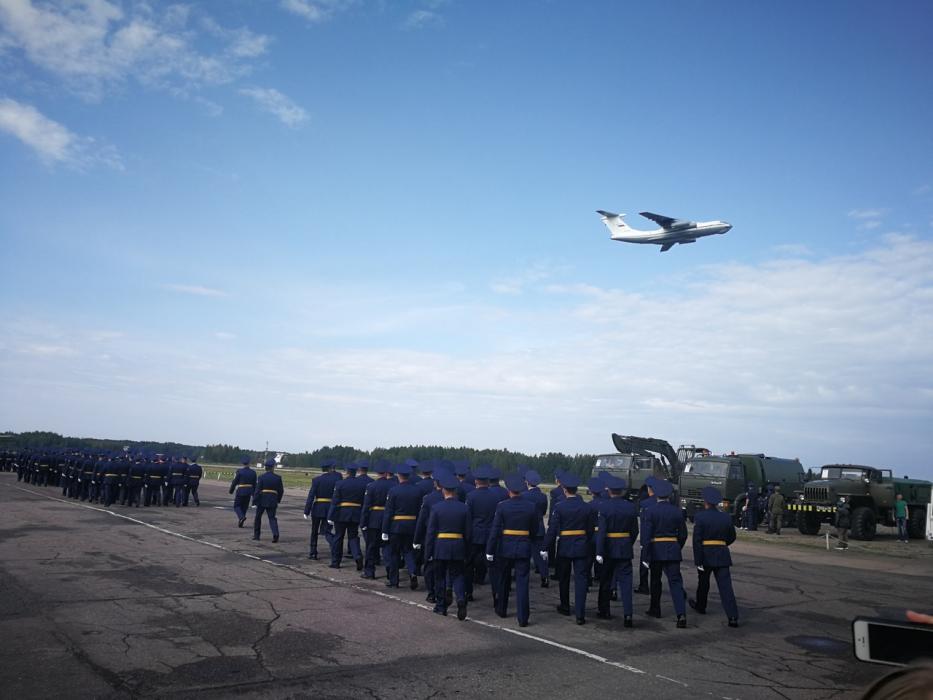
373	223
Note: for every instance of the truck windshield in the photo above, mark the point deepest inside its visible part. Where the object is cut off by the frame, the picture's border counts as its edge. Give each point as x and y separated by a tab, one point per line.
608	462
841	473
707	468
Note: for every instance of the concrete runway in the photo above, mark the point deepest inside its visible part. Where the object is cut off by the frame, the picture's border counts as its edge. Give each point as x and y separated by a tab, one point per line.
177	602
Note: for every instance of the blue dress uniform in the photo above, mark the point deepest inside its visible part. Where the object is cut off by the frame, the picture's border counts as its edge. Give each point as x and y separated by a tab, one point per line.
514	527
462	471
446	546
751	507
374	505
398	526
713	532
154	478
194	481
318	503
536	496
178	480
269	492
242	488
345	512
421	531
617	523
110	483
135	478
666	533
644	505
481	502
571	526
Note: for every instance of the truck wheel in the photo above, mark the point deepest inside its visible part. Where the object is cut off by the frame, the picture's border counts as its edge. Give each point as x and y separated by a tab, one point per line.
808	524
863	524
917	523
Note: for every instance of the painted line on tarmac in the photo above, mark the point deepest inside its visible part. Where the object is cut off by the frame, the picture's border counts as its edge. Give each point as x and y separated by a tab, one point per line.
357	587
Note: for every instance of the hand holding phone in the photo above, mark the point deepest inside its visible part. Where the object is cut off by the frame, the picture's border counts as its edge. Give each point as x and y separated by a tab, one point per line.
891	642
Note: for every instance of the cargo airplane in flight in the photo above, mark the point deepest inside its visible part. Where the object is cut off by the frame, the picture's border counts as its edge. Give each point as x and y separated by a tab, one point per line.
672	231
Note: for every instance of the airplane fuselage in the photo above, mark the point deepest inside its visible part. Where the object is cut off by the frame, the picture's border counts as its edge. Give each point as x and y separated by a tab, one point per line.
687	234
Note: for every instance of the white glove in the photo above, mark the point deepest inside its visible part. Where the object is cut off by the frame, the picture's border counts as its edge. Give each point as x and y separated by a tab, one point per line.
646	564
363	529
543	554
700	568
330	522
489	557
599	558
416	546
304	515
385	536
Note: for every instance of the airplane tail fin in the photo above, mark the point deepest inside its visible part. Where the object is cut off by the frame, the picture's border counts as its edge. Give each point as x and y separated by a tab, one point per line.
615	223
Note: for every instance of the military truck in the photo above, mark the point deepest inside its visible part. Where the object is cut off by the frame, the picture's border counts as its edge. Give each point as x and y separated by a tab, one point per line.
639	457
731	474
870	492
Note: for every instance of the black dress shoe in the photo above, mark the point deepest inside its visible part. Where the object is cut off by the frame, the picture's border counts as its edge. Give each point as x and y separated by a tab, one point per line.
733	622
693	604
431	598
642	590
440	612
522	624
240	522
469	598
275	538
359	564
255	537
414	583
313	555
502	613
604	616
581	620
653	613
333	566
365	575
627	621
389	584
545	582
461	610
562	610
681	622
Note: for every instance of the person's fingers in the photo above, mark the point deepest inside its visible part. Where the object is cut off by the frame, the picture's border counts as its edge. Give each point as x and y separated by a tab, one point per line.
919	617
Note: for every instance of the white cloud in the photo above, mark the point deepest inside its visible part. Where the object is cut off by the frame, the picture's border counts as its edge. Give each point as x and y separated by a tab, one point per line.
195	290
53	142
420	19
792	249
866	213
518	282
93	44
223	335
315	10
274	102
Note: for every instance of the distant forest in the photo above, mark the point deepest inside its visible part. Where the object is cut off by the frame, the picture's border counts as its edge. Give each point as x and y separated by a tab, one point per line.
546	463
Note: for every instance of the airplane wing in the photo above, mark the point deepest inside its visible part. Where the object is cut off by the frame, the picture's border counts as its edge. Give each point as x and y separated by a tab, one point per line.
666	247
665	221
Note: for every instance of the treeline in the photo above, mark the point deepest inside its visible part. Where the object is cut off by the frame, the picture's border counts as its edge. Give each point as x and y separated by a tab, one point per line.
546	464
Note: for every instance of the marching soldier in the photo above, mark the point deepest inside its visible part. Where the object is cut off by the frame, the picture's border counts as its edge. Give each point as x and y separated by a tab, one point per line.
269	492
374	505
481	502
535	495
421	530
136	474
713	532
177	482
193	481
571	526
242	487
318	503
617	528
666	533
445	545
644	504
398	527
515	523
343	516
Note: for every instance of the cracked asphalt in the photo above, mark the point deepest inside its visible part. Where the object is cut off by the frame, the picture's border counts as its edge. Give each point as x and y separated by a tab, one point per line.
179	602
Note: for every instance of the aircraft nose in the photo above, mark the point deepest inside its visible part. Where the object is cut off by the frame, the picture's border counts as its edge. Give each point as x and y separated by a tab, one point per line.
727	225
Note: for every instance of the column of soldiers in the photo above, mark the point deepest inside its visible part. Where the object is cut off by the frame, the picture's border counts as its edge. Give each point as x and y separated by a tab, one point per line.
458	530
132	480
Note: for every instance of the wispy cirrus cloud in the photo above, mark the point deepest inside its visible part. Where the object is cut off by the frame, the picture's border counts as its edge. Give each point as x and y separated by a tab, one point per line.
421	19
277	104
94	45
315	11
868	219
195	290
52	142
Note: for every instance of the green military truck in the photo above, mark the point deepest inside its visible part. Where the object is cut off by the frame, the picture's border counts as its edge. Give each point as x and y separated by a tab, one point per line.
640	457
731	474
870	492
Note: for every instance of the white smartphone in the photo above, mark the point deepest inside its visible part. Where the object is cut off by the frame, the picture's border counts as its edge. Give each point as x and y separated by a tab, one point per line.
891	642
